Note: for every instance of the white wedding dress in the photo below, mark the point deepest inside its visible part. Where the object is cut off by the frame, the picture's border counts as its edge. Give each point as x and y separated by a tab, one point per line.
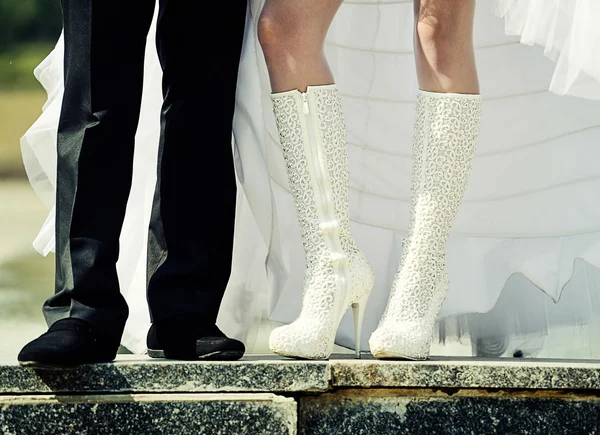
523	252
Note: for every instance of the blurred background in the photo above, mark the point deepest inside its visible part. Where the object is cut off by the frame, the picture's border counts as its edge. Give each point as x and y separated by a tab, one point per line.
28	31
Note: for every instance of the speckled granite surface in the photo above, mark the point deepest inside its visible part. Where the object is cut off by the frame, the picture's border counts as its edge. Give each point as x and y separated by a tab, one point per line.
342	396
271	374
210	414
414	412
467	373
135	374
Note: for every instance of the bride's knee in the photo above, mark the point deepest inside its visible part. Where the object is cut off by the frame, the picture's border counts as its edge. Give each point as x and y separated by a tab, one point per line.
443	31
283	35
272	33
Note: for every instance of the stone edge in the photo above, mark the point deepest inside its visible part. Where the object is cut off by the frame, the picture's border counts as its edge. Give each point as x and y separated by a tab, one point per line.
494	374
169	377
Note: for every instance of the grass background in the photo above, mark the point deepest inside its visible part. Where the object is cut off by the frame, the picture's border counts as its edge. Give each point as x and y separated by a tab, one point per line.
21	101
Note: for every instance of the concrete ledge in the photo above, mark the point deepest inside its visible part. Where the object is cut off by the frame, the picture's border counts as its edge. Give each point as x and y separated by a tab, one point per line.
135	374
418	412
342	396
158	414
467	373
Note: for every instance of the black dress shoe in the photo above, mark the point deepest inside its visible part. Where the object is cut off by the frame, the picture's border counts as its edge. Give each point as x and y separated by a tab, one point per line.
70	342
184	338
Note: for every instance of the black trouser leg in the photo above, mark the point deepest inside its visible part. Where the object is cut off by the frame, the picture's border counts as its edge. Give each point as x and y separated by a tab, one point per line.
191	230
104	63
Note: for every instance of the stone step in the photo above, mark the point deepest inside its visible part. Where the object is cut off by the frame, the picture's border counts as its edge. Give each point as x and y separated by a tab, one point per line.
137	395
266	373
130	374
148	414
427	412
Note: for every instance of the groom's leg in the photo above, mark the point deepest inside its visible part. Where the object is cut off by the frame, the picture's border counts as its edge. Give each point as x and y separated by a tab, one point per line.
104	62
191	231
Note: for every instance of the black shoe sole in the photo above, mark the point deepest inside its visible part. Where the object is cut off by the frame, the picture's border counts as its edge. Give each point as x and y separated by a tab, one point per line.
60	365
220	355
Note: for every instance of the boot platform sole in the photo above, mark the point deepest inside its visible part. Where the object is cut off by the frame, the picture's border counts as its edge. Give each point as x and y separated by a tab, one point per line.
221	355
397	356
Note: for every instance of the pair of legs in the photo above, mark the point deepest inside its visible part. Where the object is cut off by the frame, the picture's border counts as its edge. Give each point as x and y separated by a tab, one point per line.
309	117
189	246
292	35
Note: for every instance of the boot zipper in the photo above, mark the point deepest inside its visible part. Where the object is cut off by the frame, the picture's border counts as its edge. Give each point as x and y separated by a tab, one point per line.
324	200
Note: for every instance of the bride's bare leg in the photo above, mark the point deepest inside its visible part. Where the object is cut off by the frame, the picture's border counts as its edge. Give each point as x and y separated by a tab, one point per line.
308	114
292	34
443	40
446	127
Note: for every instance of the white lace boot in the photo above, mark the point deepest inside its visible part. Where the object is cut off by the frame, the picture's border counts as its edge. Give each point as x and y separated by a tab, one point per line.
446	128
313	136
